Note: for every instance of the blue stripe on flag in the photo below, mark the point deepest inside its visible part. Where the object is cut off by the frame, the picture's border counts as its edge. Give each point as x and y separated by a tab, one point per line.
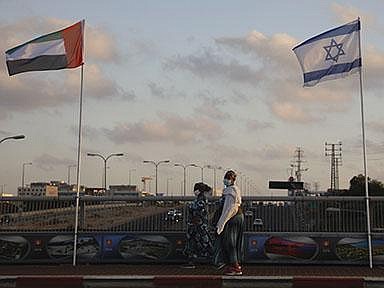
334	69
342	30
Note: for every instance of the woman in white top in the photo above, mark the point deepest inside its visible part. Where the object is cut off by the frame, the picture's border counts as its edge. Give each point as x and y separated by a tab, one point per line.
230	227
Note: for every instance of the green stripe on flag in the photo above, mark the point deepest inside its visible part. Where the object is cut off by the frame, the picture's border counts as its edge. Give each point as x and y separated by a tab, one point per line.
44	38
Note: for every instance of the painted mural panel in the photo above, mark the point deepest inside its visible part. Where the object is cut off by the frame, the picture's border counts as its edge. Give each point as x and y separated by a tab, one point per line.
291	248
167	248
61	247
356	249
152	247
13	248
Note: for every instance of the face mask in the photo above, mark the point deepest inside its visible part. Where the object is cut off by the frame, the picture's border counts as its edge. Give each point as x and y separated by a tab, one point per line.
227	182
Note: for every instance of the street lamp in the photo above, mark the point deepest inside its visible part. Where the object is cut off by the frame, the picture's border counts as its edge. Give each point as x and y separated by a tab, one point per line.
185	174
202	170
214	175
23	174
69	173
17	137
156	165
129	175
168	179
105	164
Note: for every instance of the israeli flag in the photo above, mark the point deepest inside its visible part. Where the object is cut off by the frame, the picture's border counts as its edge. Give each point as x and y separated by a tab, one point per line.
330	55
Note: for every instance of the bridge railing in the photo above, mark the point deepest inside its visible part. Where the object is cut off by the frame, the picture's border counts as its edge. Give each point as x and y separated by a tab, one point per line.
321	215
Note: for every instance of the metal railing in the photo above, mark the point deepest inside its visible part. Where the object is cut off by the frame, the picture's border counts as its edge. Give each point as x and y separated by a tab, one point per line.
322	215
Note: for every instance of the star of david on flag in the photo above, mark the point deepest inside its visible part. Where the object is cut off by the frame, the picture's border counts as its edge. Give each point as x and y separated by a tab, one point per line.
330	55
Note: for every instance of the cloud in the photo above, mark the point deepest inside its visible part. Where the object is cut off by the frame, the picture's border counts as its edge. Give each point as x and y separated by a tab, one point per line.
282	79
159	91
273	152
212	112
48	162
210	107
373	58
346	13
291	112
169	128
101	45
142	50
5	133
268	63
256	125
374	67
87	131
96	85
239	97
223	151
208	63
266	152
376	126
268	49
129	95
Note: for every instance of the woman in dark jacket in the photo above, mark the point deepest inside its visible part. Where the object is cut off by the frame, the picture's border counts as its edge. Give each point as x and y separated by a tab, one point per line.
199	243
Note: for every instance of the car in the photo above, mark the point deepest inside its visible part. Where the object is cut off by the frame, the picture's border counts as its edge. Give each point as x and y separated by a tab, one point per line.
173	215
258	222
248	213
5	219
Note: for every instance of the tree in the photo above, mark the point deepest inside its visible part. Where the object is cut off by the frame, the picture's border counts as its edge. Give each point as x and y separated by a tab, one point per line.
357	187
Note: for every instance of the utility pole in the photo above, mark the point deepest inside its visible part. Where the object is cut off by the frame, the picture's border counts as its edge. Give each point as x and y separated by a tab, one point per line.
298	163
334	151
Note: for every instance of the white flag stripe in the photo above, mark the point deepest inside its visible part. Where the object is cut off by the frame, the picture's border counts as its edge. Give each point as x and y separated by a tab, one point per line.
331	77
32	50
311	56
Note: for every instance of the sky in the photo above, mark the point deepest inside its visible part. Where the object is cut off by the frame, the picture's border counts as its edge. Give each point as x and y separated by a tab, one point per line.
204	82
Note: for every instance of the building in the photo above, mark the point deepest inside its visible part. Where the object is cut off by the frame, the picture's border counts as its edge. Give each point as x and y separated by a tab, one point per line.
94	191
124	190
38	189
48	189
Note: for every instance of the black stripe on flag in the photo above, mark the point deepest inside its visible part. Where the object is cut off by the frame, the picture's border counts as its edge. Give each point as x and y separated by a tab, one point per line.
44	62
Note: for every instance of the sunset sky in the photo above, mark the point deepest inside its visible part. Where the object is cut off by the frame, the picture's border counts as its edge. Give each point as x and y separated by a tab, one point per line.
205	82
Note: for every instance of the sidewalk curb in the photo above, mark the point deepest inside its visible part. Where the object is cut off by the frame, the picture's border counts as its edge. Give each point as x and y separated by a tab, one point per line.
173	281
49	282
329	282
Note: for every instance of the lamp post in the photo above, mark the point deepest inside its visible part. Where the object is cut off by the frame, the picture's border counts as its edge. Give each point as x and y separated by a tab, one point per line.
239	180
156	167
17	137
246	185
69	173
23	174
214	168
129	175
202	170
185	174
168	179
105	159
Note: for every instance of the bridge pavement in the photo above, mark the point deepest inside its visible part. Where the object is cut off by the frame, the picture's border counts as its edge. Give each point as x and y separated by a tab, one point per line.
173	276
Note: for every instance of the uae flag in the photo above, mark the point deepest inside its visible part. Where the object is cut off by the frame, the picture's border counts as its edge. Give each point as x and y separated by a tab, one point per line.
54	51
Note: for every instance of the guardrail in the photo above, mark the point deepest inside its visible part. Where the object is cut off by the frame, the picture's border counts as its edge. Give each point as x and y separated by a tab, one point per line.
309	230
168	214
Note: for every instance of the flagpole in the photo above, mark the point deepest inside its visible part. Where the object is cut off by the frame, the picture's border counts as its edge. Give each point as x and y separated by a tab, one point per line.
365	158
78	168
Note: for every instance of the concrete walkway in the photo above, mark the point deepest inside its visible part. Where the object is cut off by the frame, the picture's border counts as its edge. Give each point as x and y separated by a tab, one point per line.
173	276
